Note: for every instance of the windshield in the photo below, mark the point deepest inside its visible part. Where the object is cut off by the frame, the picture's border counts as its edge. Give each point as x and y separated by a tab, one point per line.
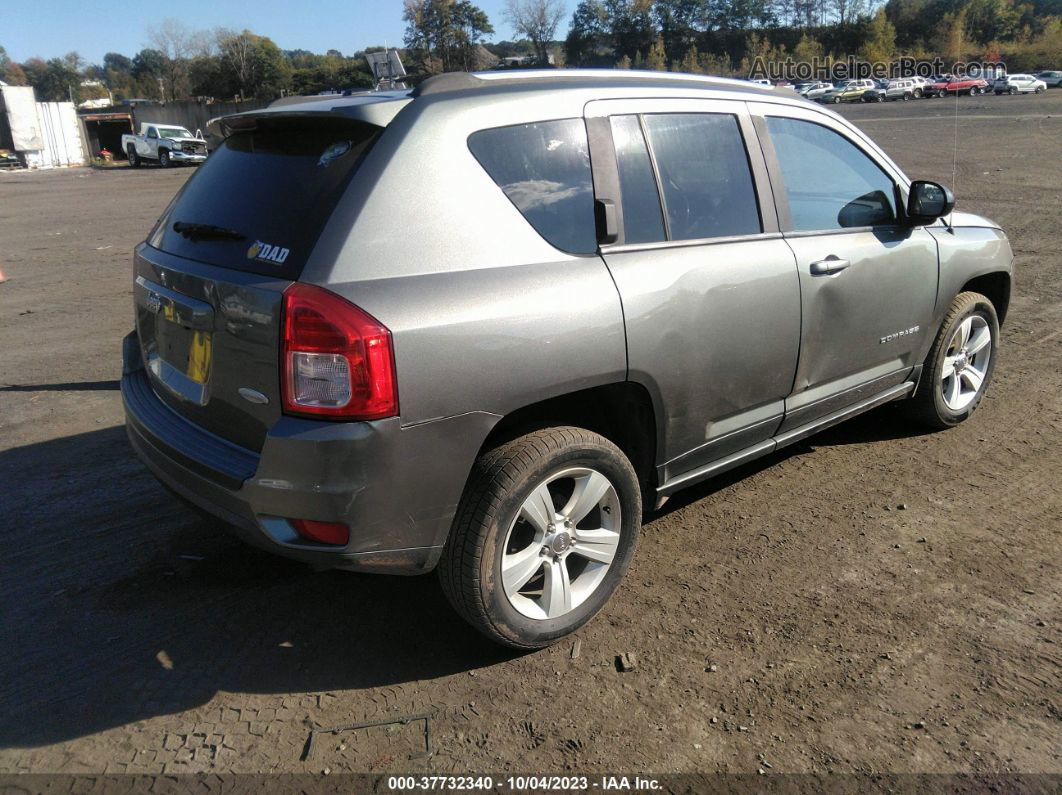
261	199
174	132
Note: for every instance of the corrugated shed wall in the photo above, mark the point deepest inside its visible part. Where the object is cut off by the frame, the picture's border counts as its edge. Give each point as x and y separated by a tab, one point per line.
61	131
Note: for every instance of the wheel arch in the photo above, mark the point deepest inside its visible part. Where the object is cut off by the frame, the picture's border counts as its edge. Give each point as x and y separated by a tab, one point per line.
622	412
995	286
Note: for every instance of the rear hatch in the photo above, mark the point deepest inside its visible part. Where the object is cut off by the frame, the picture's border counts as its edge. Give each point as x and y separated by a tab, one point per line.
210	278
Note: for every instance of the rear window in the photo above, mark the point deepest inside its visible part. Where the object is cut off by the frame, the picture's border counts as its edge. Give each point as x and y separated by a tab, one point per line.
260	201
544	169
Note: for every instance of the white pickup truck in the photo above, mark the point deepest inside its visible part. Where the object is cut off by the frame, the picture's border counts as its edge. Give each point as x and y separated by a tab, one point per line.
166	143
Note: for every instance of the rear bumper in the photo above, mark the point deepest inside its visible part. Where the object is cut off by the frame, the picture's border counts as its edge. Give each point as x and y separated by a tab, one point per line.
396	488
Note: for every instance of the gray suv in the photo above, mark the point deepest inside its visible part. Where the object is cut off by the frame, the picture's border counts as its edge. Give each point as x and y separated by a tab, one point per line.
482	325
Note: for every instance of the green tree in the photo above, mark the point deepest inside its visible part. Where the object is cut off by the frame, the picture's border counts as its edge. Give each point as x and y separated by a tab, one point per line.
691	62
588	36
656	60
10	72
253	65
807	49
880	44
444	33
538	21
55	80
680	22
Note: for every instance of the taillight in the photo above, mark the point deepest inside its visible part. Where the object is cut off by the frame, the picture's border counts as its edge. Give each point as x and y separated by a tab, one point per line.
336	360
334	533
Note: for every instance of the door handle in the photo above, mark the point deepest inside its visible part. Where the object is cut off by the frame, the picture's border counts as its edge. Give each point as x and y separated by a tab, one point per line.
829	265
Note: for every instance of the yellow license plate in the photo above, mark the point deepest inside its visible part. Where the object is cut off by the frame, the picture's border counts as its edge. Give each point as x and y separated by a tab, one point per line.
199	357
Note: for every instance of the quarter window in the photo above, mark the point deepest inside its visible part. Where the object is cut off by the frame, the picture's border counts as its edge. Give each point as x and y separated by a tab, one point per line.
830	182
704	175
544	169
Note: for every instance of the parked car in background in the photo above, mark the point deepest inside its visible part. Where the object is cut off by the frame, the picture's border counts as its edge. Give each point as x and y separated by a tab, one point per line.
1051	79
166	143
890	90
876	93
1019	84
955	85
566	332
847	91
814	89
919	85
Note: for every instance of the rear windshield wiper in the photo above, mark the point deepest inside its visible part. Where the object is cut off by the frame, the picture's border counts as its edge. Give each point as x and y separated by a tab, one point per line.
206	231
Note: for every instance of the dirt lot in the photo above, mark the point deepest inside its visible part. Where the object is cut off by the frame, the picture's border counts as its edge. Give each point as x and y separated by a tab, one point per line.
877	599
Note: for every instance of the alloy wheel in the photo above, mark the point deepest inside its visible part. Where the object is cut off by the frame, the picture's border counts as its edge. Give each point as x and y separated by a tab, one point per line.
966	362
561	544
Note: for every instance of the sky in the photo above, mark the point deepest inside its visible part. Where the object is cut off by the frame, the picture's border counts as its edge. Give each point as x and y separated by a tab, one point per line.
49	28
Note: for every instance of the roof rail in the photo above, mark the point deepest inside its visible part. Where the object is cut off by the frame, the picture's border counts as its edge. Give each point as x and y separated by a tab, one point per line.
461	81
613	74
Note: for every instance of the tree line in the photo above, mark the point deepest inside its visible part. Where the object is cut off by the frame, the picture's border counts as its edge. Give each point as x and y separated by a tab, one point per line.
700	36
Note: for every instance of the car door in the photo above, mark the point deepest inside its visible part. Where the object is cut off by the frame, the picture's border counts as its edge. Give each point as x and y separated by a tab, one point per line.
152	142
868	280
709	288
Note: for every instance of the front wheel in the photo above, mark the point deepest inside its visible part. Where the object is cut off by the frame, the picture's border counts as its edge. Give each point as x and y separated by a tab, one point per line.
1013	91
544	533
164	158
1039	90
959	366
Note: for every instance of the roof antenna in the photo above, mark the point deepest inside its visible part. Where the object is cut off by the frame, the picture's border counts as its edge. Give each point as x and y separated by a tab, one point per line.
954	166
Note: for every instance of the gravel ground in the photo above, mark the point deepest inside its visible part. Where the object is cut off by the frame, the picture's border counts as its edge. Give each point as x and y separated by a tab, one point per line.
875	599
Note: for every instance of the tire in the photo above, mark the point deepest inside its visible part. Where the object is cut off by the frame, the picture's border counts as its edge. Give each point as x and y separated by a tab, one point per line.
1039	90
836	100
134	158
880	98
1012	91
164	158
918	93
930	404
906	97
494	521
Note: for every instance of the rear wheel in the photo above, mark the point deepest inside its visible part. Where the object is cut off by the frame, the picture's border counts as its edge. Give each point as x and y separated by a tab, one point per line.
959	366
544	533
134	158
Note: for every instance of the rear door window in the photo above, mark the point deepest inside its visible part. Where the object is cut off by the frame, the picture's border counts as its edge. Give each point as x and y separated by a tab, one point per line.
544	169
642	218
704	174
260	201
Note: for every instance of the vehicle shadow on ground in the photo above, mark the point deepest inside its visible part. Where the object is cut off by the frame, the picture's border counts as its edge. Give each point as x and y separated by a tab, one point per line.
119	604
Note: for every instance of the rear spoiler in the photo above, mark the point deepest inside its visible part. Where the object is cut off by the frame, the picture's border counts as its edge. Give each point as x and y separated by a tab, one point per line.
376	109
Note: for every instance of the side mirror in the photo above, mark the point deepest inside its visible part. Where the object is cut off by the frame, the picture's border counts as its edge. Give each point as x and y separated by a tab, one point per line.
928	201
